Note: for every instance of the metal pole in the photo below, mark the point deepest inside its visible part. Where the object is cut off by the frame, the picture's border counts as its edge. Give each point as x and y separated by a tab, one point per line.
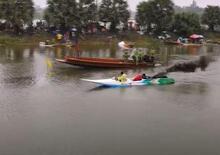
97	8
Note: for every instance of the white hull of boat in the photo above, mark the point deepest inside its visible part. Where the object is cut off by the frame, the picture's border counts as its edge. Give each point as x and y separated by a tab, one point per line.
114	83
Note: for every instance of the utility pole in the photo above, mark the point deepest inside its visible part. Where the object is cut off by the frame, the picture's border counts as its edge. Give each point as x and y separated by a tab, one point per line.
97	11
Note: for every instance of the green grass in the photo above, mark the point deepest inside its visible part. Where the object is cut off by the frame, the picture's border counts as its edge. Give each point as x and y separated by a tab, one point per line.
95	40
6	39
215	36
138	40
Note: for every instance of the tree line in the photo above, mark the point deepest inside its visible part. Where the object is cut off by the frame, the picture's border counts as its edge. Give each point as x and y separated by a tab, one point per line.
16	13
64	14
154	16
159	15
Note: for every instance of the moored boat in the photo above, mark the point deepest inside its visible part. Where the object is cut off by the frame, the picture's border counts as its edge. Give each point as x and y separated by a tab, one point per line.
104	62
43	44
192	45
183	44
170	42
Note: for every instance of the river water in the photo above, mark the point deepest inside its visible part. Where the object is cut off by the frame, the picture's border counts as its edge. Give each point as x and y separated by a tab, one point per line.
47	110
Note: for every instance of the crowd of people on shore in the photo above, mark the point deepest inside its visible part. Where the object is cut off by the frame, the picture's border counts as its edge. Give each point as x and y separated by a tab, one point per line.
70	36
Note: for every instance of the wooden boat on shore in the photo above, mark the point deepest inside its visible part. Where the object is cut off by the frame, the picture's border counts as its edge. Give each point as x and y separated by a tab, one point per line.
43	44
217	42
170	42
192	45
104	62
183	44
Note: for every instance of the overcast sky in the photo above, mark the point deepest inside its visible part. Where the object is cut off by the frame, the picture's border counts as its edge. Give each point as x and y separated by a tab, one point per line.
133	3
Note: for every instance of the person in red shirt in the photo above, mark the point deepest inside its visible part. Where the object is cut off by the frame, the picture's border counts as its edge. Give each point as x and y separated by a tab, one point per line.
138	77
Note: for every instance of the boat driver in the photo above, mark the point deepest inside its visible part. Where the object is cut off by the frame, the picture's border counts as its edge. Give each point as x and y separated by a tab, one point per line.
122	77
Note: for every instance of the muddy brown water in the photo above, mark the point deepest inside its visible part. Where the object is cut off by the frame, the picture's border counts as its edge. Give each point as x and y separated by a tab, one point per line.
49	111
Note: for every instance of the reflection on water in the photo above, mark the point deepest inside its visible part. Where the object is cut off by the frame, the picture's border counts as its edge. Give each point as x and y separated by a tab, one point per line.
47	109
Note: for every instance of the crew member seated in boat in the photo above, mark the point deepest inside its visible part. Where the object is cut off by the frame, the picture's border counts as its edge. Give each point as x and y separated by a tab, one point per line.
144	76
122	77
138	77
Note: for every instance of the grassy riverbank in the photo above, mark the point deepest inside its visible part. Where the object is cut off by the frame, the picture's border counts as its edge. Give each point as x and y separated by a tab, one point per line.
92	40
138	40
8	40
213	37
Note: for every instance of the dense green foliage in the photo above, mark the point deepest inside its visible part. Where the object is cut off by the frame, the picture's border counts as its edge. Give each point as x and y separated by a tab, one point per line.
211	16
87	11
16	13
114	11
159	15
186	23
143	17
62	13
155	14
66	13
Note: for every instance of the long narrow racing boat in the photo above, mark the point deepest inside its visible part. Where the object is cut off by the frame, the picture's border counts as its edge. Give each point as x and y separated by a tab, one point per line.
104	62
144	82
